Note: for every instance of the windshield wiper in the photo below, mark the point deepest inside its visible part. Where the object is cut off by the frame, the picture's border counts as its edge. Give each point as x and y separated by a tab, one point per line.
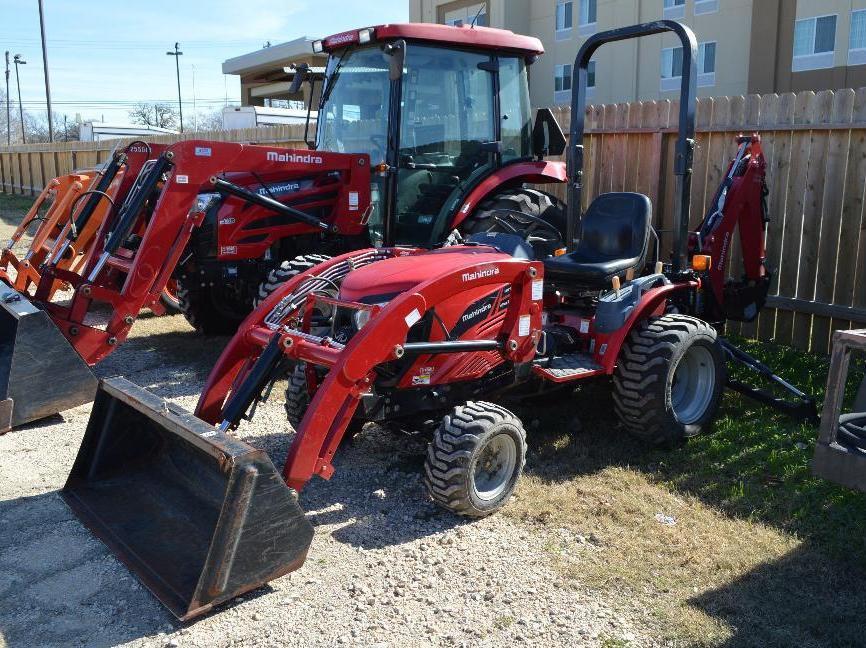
332	78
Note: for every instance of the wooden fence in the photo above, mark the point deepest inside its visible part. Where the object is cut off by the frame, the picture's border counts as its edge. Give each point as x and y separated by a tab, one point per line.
816	152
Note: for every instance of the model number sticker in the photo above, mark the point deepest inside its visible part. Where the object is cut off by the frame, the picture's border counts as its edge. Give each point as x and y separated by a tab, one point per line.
584	326
203	151
182	179
523	326
537	289
229	249
353	201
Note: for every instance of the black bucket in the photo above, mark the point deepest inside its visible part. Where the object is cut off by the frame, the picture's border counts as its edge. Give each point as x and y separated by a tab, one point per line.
40	373
198	516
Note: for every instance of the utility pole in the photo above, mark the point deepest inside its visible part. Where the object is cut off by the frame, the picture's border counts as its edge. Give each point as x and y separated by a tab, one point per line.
45	67
177	54
8	110
19	60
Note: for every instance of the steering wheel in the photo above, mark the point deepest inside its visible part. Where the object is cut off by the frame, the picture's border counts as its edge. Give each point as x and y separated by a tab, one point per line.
541	234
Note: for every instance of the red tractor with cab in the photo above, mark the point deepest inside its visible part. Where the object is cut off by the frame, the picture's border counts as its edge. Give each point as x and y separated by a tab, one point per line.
422	129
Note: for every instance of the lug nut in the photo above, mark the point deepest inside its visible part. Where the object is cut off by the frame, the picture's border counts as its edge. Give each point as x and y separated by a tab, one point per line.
86	290
112	341
129	319
288	342
512	345
399	351
73	330
532	272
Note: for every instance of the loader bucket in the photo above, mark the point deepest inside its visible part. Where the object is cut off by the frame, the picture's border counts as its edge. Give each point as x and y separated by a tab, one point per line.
40	373
198	516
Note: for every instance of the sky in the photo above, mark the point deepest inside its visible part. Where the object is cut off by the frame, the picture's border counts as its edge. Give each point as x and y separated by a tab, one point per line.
105	56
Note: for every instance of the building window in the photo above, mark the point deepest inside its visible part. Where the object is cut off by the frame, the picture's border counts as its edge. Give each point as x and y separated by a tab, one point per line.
857	39
706	7
562	84
674	9
564	18
465	16
588	17
590	75
814	43
672	66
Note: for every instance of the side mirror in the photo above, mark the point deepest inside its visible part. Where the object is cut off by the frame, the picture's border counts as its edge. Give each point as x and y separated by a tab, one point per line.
301	72
397	52
547	137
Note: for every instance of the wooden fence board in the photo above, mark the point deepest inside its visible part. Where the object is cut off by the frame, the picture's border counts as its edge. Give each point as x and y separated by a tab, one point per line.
852	210
781	169
831	216
812	214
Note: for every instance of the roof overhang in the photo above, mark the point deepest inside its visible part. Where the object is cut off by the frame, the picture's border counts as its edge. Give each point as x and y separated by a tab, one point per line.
269	58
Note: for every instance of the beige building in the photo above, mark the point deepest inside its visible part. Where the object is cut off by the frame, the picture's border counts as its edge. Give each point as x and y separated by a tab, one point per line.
745	46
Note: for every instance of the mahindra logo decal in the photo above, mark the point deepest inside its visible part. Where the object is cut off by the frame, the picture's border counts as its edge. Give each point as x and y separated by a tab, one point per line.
478	311
481	273
297	158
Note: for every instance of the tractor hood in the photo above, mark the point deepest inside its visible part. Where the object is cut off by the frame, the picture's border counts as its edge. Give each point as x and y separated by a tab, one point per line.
380	282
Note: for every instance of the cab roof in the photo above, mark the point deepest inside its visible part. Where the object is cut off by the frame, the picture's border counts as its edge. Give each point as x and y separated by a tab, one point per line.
483	38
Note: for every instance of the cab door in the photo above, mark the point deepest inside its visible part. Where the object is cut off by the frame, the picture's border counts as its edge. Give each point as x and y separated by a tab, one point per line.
448	131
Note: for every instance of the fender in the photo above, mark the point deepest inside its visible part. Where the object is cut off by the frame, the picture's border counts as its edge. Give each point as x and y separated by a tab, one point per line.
543	172
651	304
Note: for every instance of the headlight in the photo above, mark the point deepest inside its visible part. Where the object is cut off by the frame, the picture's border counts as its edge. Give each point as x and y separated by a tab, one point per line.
361	317
205	201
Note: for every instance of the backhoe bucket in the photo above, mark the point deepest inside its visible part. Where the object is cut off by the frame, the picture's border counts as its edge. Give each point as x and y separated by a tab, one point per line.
198	516
40	373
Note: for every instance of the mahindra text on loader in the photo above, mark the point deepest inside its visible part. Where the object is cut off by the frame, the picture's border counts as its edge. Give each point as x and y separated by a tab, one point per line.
399	333
442	113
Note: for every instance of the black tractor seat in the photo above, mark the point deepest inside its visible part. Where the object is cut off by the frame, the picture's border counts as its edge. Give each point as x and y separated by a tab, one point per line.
614	238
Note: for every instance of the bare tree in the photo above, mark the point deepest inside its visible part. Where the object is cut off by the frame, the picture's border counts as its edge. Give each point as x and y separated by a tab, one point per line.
154	114
211	121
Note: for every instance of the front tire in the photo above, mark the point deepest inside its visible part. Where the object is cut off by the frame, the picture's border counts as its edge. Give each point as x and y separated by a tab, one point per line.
208	310
475	459
669	380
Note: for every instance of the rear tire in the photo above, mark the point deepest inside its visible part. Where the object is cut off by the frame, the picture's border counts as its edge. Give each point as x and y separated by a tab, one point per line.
525	201
285	271
669	380
208	311
475	459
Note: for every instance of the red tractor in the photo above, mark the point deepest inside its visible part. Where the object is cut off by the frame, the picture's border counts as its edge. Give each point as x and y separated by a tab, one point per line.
400	334
442	114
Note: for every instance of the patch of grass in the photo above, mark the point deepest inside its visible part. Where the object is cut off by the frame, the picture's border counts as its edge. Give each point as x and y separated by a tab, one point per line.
503	622
761	552
14	206
613	642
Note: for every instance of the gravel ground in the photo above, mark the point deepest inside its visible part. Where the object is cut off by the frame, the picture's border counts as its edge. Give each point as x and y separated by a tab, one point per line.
386	567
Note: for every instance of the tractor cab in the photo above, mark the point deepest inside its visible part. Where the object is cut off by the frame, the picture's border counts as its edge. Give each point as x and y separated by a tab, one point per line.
437	108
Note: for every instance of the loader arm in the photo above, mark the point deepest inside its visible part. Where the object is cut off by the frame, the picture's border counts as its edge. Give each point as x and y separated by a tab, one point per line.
131	281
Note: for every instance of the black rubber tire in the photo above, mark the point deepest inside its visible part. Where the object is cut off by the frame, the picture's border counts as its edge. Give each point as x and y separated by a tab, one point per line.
285	271
457	445
526	201
297	397
202	309
645	372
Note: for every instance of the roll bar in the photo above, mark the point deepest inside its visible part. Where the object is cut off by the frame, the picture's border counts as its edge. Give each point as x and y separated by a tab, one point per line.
685	141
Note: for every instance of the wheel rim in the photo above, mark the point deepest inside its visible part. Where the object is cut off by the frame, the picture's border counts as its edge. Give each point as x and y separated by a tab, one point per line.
694	383
494	467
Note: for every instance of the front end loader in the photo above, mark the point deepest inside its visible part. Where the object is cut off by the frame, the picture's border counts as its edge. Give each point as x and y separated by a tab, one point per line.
399	333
